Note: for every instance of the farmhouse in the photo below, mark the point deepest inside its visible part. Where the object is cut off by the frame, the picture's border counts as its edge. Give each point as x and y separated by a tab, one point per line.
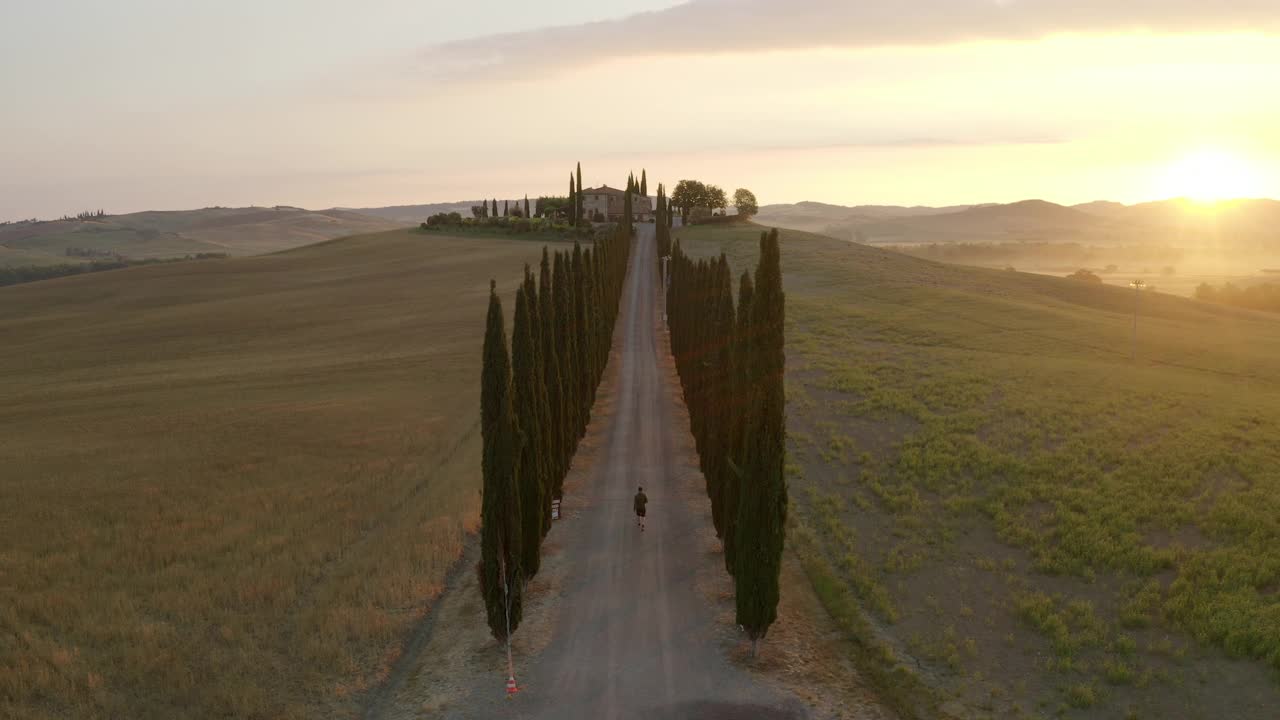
609	203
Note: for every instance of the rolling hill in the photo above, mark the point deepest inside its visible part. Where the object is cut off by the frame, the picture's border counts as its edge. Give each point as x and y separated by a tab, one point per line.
1246	226
414	214
1029	521
817	217
241	480
234	231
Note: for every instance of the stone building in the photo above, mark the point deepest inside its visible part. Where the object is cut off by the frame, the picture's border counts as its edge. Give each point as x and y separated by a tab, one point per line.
609	202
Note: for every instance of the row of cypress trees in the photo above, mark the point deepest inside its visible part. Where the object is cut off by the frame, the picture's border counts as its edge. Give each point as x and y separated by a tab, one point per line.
662	224
506	207
535	403
731	363
575	196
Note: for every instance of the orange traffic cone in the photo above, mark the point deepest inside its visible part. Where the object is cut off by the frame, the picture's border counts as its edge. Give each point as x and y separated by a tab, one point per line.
511	686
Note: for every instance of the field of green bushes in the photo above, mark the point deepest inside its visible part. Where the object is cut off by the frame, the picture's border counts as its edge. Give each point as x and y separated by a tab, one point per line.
1034	524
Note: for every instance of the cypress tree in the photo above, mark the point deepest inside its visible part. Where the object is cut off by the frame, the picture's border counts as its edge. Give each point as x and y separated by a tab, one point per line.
573	200
495	207
551	377
579	207
661	231
506	208
501	577
583	362
546	447
762	498
526	206
591	313
529	402
567	341
626	211
644	182
599	293
721	413
742	394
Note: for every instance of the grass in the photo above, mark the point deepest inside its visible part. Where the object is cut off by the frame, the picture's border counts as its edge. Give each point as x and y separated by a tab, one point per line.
1023	472
236	484
236	231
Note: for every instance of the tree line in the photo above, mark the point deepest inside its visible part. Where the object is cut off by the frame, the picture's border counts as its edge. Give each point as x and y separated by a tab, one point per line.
697	201
731	362
483	211
664	221
1264	296
535	404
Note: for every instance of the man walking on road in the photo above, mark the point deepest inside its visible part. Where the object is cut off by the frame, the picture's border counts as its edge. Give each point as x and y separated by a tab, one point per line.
641	501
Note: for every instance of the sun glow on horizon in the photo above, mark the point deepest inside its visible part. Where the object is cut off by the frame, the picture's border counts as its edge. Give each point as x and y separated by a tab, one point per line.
1210	175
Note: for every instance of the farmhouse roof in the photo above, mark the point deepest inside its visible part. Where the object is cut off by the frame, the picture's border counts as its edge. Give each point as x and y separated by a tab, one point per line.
603	190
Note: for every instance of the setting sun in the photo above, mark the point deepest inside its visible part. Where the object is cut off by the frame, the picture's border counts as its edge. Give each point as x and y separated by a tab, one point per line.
1210	175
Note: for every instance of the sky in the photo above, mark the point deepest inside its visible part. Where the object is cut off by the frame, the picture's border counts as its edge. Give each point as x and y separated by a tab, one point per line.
152	104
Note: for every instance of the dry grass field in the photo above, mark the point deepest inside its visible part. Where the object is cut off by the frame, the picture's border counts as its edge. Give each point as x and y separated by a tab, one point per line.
167	234
231	487
990	494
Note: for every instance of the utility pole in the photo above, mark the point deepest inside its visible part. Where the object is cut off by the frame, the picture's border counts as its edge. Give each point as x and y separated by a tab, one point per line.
1137	286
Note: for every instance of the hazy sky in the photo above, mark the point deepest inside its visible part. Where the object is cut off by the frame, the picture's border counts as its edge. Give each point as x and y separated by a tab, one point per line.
142	104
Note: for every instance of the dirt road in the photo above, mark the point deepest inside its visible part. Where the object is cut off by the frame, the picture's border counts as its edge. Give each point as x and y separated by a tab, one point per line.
633	637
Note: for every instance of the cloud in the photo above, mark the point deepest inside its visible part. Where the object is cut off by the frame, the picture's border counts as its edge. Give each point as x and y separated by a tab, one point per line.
724	26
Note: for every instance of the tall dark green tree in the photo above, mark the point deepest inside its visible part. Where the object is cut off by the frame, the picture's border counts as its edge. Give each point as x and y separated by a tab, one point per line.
743	392
567	342
585	349
573	200
501	575
599	299
546	446
592	327
580	206
495	208
551	377
627	210
529	401
762	496
662	228
720	388
526	207
644	181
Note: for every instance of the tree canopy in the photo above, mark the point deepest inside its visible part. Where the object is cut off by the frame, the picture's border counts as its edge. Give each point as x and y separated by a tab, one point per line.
745	201
690	194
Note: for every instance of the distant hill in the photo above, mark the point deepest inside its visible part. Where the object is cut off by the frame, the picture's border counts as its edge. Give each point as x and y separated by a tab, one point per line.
1252	225
816	217
414	214
161	234
1105	208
